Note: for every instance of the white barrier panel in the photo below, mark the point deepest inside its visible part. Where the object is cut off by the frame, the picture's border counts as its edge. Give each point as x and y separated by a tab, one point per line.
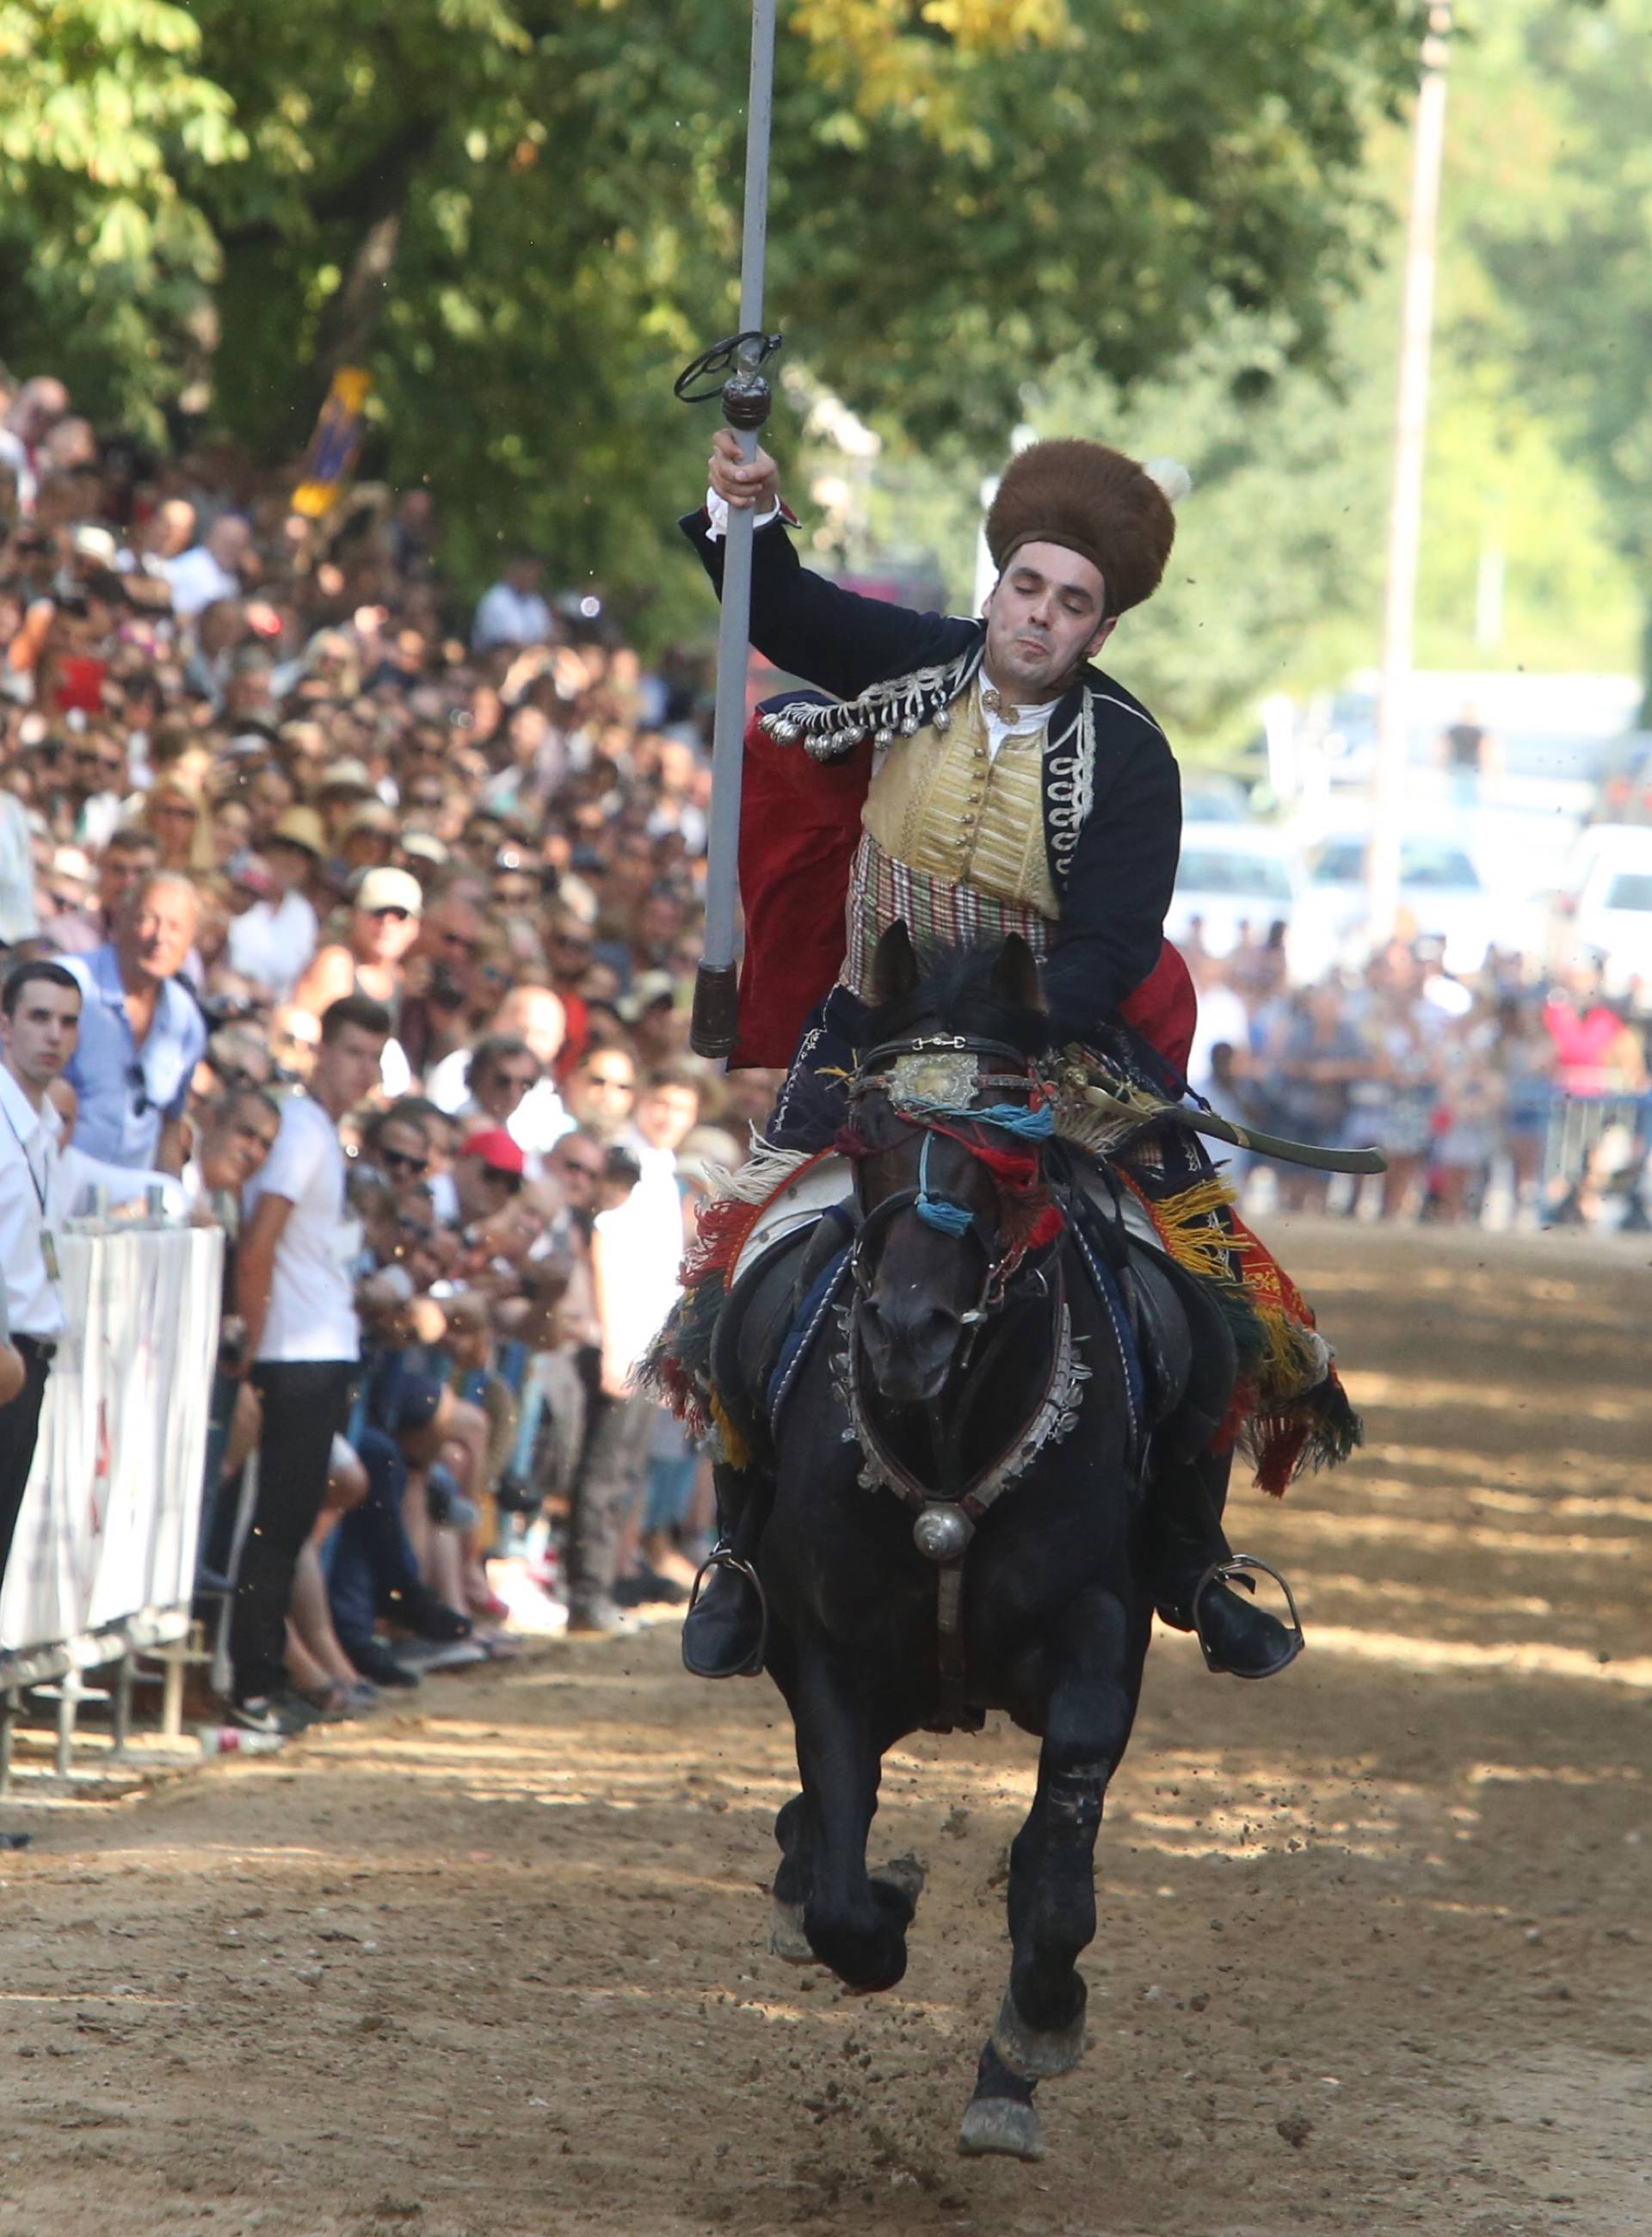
108	1521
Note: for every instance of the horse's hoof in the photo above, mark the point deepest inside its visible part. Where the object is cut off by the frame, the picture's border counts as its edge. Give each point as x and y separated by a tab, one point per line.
786	1936
1001	2125
1032	2053
905	1875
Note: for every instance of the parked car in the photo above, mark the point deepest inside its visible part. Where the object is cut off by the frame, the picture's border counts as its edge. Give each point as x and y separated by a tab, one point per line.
1231	874
1606	901
1440	892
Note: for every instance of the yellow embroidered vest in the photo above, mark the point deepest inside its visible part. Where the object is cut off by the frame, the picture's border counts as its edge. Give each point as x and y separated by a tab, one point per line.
942	805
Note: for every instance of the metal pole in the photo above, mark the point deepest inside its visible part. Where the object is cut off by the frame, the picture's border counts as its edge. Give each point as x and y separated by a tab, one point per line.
716	1027
1406	501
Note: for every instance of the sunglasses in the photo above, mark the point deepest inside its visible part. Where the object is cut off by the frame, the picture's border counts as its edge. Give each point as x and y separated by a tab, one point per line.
522	1080
134	1079
413	1233
402	1161
607	1080
498	1177
395	915
579	1165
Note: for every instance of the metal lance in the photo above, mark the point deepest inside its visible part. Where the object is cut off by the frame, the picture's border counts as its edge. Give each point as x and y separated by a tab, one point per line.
732	370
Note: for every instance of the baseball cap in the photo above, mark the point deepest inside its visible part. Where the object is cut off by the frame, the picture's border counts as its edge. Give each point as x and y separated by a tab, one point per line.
302	827
496	1148
346	775
91	542
371	815
424	846
388	889
651	990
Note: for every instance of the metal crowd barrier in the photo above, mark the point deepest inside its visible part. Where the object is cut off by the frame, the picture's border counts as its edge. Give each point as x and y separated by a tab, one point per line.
1577	1124
102	1564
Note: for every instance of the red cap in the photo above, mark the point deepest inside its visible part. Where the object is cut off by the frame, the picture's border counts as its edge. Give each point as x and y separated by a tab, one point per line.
494	1147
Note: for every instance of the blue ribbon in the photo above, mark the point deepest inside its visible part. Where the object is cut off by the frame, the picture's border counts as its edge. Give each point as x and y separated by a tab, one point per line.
1012	1118
938	1212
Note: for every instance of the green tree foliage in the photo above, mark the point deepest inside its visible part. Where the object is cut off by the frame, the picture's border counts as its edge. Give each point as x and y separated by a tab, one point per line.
524	216
1567	243
104	257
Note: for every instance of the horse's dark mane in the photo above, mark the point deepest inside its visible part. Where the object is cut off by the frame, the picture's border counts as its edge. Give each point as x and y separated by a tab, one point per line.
957	997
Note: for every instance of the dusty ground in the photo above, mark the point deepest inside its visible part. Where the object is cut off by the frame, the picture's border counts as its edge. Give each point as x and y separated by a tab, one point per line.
1374	1951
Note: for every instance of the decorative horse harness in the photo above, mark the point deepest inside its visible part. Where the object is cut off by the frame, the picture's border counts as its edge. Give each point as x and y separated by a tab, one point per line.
932	1083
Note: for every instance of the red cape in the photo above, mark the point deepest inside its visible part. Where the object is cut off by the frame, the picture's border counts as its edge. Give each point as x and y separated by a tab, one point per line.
800	823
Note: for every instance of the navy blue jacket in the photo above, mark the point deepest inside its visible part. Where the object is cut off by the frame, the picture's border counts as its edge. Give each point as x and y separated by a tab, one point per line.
1115	877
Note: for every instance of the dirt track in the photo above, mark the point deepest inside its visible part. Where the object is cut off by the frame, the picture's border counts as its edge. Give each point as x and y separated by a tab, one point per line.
1375	1951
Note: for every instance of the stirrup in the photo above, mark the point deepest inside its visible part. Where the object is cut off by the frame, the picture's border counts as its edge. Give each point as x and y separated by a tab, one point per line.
1236	1569
724	1557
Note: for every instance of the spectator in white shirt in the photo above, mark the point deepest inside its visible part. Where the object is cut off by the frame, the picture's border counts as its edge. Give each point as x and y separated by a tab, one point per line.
514	611
635	1255
212	570
39	1023
272	942
534	1019
294	1290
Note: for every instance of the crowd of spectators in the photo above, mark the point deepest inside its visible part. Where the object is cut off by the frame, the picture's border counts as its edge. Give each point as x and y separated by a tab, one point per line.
1506	1096
292	821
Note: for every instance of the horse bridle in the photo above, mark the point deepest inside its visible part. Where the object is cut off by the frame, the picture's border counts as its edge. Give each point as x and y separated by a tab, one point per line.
869	1079
945	1522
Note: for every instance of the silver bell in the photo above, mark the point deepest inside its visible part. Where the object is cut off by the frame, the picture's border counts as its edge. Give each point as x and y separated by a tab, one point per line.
883	738
943	718
908	726
782	732
942	1532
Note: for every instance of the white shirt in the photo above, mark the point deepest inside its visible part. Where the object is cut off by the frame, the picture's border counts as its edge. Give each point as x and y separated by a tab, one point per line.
508	617
17	918
271	943
197	579
539	1122
312	1306
41	1186
642	1249
31	1199
1009	721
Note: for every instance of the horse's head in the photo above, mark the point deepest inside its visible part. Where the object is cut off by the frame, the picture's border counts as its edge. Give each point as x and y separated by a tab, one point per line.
943	1193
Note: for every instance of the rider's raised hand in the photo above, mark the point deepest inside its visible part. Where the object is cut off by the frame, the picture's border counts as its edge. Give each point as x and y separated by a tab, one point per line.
741	485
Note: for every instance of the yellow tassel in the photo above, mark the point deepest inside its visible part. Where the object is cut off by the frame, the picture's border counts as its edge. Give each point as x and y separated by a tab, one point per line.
735	1450
1187	1227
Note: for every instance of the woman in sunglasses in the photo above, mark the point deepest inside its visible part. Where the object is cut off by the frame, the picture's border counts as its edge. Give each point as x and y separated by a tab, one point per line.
385	917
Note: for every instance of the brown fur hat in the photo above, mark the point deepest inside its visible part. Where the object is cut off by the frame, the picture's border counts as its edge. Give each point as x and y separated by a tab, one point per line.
1090	500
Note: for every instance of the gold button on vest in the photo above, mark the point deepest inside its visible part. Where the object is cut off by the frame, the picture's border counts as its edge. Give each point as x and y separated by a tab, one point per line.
942	805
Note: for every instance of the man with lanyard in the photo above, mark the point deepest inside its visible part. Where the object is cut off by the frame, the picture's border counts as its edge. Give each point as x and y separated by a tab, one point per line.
989	780
295	1297
142	1033
39	1020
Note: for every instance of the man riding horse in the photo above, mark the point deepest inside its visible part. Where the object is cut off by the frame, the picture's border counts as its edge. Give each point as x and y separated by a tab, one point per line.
973	779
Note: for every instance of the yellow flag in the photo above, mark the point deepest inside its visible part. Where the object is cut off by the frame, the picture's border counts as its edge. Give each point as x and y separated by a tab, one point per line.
334	443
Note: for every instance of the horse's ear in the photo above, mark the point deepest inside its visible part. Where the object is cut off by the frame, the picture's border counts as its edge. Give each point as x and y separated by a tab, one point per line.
895	965
1015	975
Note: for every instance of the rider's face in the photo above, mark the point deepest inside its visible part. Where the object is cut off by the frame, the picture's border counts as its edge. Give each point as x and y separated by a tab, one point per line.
1046	615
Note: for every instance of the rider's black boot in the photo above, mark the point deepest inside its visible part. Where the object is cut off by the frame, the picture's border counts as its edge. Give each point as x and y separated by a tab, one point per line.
727	1625
1191	1565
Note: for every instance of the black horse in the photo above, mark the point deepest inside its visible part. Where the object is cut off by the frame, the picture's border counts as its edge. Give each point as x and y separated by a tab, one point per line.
950	1482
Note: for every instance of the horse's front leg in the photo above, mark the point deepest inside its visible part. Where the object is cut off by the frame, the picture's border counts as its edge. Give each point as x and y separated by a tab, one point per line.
855	1924
1040	2029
